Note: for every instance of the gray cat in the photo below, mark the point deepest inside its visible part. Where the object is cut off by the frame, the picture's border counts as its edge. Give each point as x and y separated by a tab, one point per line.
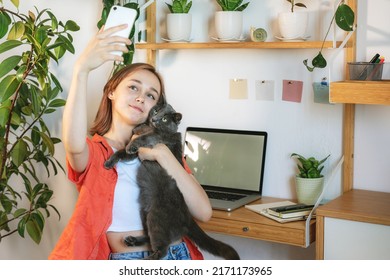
164	213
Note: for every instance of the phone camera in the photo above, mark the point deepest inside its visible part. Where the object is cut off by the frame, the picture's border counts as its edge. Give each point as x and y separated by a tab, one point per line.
115	8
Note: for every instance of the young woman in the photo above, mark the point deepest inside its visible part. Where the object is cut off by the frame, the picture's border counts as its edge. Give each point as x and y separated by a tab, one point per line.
107	207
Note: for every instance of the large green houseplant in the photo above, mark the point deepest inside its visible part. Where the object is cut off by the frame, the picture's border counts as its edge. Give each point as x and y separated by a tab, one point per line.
309	179
344	17
28	92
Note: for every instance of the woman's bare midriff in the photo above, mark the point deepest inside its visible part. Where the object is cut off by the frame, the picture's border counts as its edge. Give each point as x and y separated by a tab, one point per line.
117	245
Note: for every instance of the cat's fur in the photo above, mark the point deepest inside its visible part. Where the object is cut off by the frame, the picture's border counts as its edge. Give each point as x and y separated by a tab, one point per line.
164	213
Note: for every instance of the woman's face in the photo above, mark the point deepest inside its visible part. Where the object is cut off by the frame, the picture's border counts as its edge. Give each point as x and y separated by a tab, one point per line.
135	95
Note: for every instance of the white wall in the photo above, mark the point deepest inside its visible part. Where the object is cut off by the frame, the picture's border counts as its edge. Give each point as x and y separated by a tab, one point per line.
197	84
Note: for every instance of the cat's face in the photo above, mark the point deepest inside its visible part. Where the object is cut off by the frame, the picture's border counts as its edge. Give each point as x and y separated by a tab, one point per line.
164	117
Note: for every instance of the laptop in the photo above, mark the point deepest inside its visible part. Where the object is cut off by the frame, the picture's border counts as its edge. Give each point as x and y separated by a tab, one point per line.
229	164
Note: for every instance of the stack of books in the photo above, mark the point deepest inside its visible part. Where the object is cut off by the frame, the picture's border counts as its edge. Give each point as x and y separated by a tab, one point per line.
290	211
282	211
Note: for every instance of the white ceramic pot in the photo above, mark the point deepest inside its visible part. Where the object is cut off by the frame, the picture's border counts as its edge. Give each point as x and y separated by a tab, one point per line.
228	25
293	25
179	27
308	190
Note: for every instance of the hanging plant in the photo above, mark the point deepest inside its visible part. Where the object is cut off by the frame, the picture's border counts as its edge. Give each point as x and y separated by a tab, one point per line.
28	93
344	18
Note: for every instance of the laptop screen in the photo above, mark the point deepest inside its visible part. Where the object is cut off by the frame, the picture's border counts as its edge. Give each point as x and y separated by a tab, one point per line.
229	159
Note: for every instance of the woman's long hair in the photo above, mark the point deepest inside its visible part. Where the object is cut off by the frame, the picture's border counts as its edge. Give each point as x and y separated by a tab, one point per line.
103	117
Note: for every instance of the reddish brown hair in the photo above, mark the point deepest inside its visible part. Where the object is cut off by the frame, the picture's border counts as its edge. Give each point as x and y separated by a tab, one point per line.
103	117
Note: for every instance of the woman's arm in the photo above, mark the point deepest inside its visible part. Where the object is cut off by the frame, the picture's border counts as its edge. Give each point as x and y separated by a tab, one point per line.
74	126
194	195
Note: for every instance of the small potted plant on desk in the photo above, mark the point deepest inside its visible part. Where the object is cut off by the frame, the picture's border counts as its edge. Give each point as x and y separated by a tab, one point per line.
228	22
179	20
309	181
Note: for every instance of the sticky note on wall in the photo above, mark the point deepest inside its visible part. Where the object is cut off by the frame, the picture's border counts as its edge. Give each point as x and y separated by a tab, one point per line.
238	89
265	90
292	91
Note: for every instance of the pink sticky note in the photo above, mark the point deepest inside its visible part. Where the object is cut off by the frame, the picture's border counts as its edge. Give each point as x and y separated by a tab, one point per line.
292	91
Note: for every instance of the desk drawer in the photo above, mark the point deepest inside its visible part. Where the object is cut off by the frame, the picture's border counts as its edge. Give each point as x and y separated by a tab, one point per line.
257	231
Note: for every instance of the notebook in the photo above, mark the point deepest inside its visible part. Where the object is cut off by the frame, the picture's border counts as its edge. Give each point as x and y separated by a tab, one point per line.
229	164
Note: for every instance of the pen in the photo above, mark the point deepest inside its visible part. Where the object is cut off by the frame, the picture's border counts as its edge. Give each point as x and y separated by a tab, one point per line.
363	75
375	57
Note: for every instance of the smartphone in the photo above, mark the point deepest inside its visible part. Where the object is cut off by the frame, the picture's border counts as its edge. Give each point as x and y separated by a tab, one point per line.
121	15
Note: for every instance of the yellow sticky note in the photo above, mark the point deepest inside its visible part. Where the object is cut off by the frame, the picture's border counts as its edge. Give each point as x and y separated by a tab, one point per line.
238	89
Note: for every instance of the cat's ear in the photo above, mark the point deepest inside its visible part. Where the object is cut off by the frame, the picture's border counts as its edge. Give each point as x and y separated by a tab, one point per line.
178	117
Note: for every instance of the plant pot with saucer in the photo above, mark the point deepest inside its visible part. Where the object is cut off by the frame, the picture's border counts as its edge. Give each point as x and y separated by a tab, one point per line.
179	21
229	21
309	181
293	24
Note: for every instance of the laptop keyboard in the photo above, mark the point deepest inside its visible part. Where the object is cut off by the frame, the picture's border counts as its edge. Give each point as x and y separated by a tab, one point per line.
224	196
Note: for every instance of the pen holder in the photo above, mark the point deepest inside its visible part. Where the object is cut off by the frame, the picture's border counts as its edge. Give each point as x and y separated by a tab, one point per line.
365	71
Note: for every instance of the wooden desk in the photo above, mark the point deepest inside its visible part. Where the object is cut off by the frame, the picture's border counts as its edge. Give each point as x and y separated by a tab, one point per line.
245	223
367	210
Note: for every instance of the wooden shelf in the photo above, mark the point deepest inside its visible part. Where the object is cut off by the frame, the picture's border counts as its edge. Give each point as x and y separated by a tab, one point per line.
236	45
356	205
360	92
248	224
359	205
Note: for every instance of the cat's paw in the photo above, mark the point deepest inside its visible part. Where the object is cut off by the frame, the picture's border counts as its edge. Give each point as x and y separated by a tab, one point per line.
108	164
131	149
130	241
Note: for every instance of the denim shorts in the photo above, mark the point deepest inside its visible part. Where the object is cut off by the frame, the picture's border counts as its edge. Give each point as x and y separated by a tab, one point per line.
175	252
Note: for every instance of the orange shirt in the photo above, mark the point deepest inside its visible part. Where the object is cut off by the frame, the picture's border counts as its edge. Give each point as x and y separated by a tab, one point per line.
85	235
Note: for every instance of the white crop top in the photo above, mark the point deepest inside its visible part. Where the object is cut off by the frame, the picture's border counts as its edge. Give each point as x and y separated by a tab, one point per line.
126	209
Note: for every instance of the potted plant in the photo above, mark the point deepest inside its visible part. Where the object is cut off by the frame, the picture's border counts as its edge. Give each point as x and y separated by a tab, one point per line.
309	180
28	94
344	17
179	20
293	24
228	22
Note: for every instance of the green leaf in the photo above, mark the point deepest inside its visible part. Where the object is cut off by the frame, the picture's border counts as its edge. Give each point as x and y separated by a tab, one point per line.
16	31
19	153
345	17
19	212
6	203
48	142
8	64
34	231
22	226
9	44
4	112
4	24
54	21
68	44
36	100
21	73
319	61
16	3
57	103
8	87
71	26
35	136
